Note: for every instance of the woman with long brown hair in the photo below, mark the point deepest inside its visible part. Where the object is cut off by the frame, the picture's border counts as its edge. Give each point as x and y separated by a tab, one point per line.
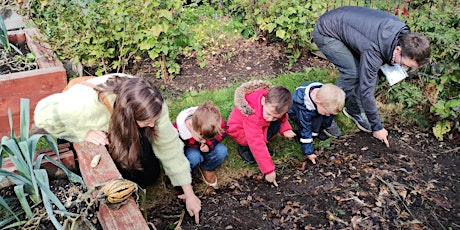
128	115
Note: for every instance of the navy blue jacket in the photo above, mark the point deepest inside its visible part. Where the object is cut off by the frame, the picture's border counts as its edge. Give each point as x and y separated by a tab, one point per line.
372	35
305	114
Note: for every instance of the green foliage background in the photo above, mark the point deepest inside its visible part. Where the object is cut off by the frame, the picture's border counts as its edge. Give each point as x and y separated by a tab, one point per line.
111	35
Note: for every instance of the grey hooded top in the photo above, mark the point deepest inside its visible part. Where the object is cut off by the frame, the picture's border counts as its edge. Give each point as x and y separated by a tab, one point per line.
372	35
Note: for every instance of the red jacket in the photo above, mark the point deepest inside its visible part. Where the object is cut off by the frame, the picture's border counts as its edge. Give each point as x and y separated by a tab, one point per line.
251	129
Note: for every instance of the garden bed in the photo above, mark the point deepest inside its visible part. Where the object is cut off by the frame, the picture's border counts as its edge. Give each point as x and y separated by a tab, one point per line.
49	78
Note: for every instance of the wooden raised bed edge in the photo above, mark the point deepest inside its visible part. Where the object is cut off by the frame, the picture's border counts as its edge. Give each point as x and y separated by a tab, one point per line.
128	216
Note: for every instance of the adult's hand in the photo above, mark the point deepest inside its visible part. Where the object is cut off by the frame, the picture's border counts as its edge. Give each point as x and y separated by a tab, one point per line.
192	202
382	135
97	137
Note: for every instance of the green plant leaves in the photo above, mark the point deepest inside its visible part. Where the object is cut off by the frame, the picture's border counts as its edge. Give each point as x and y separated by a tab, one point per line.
21	195
442	127
4	42
31	181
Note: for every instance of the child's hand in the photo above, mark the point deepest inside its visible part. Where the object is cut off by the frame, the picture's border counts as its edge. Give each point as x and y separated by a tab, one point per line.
271	177
289	134
312	158
204	148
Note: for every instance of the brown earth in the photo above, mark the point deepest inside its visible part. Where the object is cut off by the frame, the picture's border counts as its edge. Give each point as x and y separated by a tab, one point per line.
251	60
358	184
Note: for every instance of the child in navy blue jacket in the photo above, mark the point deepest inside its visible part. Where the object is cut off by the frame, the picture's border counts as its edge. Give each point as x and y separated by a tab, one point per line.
315	105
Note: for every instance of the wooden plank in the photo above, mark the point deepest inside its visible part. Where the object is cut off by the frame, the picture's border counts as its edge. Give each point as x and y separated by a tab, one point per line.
127	216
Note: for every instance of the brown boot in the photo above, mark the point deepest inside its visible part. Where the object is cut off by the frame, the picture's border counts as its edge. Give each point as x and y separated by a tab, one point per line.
209	177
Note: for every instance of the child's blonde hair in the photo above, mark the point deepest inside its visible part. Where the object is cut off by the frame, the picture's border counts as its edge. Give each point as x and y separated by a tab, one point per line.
331	97
280	97
207	120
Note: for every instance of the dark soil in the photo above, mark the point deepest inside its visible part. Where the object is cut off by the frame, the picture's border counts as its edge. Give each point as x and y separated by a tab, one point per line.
251	60
359	184
12	62
72	197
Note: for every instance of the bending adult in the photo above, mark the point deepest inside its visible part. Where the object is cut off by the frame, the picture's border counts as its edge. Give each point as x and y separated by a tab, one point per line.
138	132
358	41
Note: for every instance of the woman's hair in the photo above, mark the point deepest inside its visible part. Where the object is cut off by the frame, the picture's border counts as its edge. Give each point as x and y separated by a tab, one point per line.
331	97
207	120
280	97
415	46
137	100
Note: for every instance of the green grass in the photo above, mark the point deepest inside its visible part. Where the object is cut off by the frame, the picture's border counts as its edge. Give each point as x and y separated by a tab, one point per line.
286	150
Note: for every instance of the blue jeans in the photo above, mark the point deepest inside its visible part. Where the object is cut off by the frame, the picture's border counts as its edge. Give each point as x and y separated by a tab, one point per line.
209	161
347	63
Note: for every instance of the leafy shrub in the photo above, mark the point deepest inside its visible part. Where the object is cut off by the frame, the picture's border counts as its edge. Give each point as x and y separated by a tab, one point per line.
31	182
109	35
405	101
288	21
441	24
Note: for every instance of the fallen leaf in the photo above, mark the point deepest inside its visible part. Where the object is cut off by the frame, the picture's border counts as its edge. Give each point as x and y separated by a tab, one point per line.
355	220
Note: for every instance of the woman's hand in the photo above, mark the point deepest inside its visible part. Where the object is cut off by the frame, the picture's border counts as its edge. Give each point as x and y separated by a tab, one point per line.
192	202
97	137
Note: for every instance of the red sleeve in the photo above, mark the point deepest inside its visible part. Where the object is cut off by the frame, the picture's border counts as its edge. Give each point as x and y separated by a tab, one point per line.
256	140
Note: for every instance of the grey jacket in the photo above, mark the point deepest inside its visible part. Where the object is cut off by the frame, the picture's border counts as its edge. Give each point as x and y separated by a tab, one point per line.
372	35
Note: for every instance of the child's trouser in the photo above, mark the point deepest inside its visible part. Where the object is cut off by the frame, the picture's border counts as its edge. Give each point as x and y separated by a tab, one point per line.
208	161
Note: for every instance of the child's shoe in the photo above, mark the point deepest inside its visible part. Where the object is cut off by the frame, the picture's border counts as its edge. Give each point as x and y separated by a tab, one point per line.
209	176
245	154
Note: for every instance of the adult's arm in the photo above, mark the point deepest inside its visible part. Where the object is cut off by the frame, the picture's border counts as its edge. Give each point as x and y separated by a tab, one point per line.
169	149
368	80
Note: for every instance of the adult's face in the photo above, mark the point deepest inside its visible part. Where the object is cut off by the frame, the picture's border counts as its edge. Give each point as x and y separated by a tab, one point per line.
405	62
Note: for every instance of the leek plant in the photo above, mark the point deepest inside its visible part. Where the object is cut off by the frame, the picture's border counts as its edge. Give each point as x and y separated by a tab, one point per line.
4	42
31	182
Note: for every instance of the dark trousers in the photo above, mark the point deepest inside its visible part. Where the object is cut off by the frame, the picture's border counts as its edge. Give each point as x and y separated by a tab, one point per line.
150	167
273	129
321	122
347	63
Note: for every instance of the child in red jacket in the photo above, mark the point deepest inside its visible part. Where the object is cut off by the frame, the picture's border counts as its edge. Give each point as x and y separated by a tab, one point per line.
260	113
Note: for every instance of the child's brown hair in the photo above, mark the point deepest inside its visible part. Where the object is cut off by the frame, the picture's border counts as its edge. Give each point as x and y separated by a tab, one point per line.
331	97
207	120
280	97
